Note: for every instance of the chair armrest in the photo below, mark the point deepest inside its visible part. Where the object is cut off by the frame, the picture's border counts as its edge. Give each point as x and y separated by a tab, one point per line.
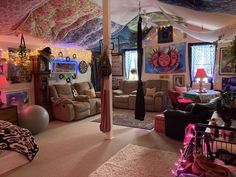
117	92
63	109
82	98
159	93
57	101
98	94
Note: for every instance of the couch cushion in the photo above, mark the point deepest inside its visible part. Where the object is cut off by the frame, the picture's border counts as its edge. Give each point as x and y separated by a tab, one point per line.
91	93
150	91
149	100
121	98
81	106
64	91
82	86
129	86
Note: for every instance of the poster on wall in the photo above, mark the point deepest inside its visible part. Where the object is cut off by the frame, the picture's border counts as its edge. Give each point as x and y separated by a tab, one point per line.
166	59
18	98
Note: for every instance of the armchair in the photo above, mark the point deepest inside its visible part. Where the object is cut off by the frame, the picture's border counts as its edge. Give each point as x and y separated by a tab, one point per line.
177	120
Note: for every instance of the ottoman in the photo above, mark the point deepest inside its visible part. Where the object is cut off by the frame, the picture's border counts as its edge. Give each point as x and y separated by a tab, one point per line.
159	123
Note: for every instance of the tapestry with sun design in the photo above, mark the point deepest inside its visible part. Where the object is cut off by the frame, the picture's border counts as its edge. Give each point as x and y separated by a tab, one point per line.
166	59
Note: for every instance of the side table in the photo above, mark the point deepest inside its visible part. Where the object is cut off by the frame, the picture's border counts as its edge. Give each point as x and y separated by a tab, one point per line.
159	123
9	113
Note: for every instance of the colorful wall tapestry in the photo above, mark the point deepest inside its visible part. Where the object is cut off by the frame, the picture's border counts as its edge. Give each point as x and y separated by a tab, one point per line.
168	59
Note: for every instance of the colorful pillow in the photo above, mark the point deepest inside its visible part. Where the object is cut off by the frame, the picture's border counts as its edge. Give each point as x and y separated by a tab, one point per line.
150	91
91	93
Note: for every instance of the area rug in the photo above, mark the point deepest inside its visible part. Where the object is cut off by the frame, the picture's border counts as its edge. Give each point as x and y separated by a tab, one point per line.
126	118
138	161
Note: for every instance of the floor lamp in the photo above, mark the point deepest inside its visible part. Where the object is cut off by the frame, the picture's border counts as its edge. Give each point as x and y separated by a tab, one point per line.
201	74
3	85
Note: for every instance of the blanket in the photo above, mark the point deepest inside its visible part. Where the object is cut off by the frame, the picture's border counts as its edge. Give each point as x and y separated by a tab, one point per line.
203	167
17	139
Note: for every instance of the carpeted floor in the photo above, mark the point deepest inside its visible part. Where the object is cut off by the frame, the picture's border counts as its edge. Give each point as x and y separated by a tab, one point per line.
126	118
138	161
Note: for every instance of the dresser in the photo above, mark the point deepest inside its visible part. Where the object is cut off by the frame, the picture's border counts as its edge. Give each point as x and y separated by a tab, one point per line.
9	113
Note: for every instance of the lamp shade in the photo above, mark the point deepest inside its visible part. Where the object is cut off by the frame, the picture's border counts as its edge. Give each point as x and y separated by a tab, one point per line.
3	82
201	73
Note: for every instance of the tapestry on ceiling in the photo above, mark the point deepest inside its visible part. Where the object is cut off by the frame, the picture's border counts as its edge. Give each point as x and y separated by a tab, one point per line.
166	59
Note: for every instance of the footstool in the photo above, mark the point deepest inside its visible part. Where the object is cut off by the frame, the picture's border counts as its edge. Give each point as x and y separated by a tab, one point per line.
159	123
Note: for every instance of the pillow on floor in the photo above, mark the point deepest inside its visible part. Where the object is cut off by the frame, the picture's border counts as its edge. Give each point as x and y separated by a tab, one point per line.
91	93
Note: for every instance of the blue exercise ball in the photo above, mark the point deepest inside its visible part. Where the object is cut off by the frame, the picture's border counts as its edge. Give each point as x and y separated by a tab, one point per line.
35	118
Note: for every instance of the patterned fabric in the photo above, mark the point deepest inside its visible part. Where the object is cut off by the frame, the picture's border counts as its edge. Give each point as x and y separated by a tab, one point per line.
224	6
67	22
17	139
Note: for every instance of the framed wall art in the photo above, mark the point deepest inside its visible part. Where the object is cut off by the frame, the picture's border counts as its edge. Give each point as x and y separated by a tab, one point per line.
117	65
114	46
178	81
20	98
227	63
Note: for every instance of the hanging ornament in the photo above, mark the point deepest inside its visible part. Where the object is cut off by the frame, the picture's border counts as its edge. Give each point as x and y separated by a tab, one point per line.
61	76
73	76
68	80
74	56
22	52
67	58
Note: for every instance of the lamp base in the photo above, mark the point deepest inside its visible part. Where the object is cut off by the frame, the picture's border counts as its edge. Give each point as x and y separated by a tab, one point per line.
200	91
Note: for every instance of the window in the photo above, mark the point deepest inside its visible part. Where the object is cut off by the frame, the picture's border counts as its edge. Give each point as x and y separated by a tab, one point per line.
131	67
202	56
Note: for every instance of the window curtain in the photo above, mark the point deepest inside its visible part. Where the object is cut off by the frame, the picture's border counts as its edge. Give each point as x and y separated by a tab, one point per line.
94	71
128	60
203	56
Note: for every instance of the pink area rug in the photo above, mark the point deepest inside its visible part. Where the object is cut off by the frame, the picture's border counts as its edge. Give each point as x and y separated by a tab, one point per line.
138	161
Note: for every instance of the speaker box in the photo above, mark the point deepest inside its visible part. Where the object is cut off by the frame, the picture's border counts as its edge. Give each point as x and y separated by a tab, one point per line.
165	34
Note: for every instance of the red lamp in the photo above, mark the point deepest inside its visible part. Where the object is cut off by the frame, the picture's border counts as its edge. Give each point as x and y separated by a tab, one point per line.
3	84
201	74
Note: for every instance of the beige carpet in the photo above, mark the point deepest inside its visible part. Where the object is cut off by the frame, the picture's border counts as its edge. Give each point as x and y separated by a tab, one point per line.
138	161
76	149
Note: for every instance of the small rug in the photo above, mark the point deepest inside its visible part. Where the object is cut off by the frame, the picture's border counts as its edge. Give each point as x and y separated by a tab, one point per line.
138	161
126	118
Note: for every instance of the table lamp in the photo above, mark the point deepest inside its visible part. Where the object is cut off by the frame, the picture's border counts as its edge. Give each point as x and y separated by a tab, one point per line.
3	84
201	74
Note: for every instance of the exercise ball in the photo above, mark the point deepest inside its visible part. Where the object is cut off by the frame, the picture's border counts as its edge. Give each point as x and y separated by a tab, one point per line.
35	118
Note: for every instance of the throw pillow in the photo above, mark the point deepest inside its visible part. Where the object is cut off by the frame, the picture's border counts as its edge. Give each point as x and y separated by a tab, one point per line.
150	91
91	93
82	98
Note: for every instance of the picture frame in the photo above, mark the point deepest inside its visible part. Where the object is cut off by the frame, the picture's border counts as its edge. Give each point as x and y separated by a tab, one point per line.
224	82
117	65
114	46
19	98
178	81
226	63
63	67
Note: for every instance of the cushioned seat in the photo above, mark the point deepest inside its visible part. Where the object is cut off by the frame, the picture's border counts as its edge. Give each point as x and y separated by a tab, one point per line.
68	107
121	101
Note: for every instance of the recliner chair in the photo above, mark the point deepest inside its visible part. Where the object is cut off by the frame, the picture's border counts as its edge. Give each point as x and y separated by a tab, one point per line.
177	120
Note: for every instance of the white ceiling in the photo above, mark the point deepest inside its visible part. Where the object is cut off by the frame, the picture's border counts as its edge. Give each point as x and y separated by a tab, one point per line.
122	11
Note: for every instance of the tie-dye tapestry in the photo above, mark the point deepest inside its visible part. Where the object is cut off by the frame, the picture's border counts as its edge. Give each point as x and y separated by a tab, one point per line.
166	59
